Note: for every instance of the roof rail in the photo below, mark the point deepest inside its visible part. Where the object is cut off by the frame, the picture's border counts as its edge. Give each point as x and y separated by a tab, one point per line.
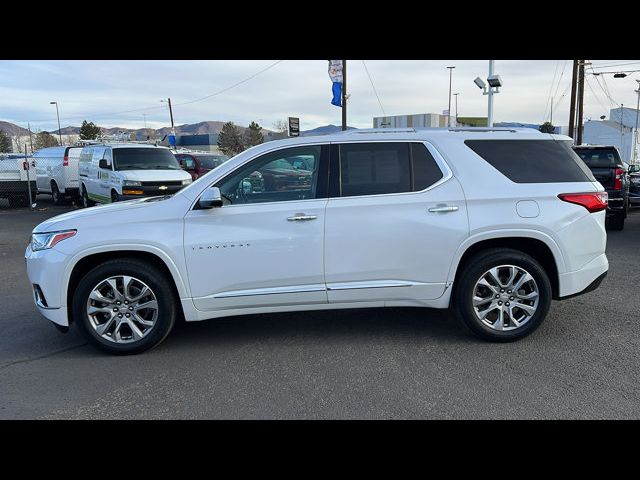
379	130
482	129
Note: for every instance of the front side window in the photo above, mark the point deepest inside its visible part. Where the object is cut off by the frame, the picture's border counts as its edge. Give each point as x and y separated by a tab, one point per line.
211	161
186	162
272	177
144	159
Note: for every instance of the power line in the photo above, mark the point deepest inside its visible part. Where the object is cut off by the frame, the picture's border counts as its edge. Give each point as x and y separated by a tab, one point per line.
374	88
616	65
232	86
594	94
553	80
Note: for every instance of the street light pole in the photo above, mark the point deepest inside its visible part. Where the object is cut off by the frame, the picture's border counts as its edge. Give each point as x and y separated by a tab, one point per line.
456	95
635	146
490	102
58	115
449	110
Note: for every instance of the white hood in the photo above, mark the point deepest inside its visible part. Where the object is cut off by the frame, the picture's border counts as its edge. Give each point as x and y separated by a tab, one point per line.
155	175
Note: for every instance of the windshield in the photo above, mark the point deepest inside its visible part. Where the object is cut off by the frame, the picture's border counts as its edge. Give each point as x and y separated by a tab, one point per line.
144	159
212	161
600	157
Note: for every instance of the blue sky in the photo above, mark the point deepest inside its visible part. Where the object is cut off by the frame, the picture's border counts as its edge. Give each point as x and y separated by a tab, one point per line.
101	91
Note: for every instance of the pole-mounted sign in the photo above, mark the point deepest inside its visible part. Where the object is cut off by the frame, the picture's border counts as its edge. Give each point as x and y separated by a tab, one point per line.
294	127
335	73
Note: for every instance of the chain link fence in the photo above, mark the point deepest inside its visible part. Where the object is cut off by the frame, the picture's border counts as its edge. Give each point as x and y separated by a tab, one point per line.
17	181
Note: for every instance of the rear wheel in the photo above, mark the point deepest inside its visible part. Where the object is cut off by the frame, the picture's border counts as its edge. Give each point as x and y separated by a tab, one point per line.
502	295
86	202
124	306
58	199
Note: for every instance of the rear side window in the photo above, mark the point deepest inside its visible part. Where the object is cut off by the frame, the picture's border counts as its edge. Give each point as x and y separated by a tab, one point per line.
599	157
533	161
383	168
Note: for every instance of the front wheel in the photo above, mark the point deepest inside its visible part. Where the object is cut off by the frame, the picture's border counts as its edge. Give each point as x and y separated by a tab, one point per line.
124	306
57	198
502	295
86	202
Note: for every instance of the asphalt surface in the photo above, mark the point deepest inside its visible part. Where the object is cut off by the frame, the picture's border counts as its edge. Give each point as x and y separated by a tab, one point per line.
583	362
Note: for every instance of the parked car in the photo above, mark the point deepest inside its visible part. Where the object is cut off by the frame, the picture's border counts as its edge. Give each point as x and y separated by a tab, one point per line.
634	184
492	223
608	168
113	172
57	172
14	175
199	163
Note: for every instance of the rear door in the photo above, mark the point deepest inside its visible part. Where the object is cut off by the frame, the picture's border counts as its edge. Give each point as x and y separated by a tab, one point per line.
71	168
394	220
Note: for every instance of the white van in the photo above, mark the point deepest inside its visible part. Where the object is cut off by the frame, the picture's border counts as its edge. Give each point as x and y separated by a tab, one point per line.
13	180
57	172
112	172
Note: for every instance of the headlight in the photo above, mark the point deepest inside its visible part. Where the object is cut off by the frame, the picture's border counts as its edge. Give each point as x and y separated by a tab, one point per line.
43	241
186	182
131	183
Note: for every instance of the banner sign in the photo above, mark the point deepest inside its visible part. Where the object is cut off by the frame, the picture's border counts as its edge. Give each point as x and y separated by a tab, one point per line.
335	73
294	127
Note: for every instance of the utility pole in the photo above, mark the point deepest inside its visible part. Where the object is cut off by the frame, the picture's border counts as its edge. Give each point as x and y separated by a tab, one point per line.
344	94
31	139
173	130
490	94
551	120
621	129
580	100
449	110
572	107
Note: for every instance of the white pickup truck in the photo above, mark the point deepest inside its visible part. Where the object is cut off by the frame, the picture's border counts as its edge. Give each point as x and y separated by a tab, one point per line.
14	177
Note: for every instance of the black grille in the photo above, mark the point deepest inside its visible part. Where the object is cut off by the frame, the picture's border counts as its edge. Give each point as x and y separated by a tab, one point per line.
159	184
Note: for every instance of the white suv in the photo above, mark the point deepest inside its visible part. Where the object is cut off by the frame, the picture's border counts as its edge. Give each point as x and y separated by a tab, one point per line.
492	223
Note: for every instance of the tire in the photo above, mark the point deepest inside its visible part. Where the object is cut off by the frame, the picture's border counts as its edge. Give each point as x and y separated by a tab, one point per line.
466	287
58	199
114	196
144	274
85	201
616	222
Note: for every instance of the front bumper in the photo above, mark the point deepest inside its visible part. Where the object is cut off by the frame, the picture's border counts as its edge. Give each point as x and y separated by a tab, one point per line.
585	279
45	268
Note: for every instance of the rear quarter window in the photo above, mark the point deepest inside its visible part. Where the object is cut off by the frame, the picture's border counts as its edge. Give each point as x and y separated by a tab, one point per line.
533	161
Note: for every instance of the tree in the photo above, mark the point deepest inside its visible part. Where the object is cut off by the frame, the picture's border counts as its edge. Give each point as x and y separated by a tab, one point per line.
281	126
89	131
44	140
253	135
133	137
230	139
547	127
5	143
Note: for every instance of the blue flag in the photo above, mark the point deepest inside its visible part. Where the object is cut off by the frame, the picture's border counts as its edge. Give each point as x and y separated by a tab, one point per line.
335	73
337	94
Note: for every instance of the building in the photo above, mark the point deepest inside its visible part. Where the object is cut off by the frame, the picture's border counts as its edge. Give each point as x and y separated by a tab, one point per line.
418	120
619	131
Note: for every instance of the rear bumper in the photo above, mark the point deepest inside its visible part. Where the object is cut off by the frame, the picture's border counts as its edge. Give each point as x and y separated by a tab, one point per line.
16	187
616	202
584	280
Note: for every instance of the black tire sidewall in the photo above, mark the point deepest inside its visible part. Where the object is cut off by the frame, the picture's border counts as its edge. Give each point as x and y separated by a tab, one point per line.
475	268
145	272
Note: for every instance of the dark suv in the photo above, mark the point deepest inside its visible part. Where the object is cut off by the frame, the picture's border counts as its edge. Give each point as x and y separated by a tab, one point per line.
608	168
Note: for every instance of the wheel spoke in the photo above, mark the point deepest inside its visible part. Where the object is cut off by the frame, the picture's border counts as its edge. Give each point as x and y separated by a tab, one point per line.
483	281
142	321
528	296
114	286
512	318
523	279
483	314
153	304
104	327
493	274
143	293
528	309
92	310
137	334
512	276
480	300
98	297
499	323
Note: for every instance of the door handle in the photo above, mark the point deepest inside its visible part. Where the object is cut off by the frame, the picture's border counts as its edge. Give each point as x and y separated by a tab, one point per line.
444	208
301	217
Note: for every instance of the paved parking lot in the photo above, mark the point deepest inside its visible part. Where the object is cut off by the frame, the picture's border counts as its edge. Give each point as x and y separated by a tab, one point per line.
584	362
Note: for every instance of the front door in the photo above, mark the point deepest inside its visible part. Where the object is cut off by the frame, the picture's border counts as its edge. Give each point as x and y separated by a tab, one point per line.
265	246
394	222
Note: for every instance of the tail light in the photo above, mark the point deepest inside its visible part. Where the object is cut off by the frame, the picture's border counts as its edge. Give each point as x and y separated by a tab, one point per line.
617	182
592	201
65	162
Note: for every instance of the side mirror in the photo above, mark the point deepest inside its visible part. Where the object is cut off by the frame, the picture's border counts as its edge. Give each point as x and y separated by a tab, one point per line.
634	168
210	198
103	163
